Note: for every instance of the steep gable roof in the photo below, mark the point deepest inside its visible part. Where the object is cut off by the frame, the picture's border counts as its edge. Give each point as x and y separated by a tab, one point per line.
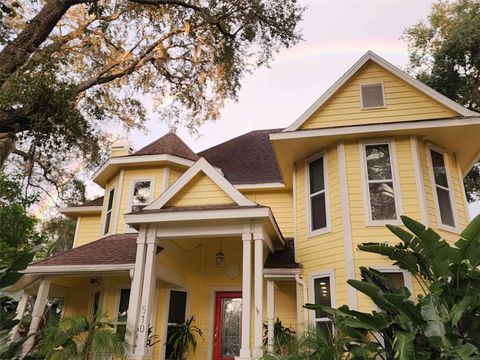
246	159
95	202
370	56
169	144
201	166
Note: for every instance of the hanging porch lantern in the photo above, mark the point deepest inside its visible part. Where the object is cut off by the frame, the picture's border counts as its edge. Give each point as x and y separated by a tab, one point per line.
220	257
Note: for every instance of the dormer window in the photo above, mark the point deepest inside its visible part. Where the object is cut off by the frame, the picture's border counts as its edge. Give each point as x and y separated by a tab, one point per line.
141	195
372	96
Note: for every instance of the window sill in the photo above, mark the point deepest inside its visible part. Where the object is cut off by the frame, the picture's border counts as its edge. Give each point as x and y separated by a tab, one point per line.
383	223
452	230
319	232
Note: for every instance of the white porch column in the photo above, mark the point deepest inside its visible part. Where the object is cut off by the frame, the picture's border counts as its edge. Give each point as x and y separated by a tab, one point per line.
245	350
22	305
37	313
136	290
142	350
270	315
258	321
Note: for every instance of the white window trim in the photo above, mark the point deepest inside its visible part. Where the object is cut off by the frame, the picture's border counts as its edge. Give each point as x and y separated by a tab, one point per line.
395	180
451	191
330	273
327	228
134	180
106	200
362	107
119	289
165	320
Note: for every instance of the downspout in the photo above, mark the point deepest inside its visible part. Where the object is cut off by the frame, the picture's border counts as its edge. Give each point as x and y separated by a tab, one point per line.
303	284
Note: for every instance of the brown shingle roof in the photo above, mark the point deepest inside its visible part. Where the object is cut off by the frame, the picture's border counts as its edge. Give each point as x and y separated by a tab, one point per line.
114	249
283	259
168	144
246	159
95	202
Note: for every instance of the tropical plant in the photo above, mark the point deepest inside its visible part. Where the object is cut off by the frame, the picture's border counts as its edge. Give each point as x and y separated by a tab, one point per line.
315	344
79	338
283	337
182	337
444	321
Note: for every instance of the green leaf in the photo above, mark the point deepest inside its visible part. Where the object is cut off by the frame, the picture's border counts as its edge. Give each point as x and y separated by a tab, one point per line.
402	257
403	345
469	243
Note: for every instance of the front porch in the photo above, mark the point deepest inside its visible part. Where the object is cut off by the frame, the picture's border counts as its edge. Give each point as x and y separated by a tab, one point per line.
175	263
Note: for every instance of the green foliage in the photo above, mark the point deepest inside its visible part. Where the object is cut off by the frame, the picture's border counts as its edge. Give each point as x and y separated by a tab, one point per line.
315	344
60	232
283	336
444	322
183	337
445	54
18	230
79	338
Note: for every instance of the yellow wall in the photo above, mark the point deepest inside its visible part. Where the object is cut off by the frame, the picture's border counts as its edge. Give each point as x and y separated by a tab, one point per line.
281	203
403	102
131	174
201	190
88	229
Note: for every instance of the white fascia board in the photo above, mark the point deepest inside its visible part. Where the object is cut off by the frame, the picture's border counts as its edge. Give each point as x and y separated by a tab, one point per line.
80	209
204	166
370	55
282	271
68	269
365	129
260	186
140	218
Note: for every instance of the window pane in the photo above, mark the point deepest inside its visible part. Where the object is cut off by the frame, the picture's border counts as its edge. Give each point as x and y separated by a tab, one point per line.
141	192
178	304
439	171
123	305
319	211
396	277
446	212
231	328
316	175
382	201
378	162
322	294
107	222
110	199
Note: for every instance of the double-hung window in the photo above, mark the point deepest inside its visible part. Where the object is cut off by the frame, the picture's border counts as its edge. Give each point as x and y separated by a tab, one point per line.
442	188
177	310
317	196
121	323
141	194
323	291
108	215
381	189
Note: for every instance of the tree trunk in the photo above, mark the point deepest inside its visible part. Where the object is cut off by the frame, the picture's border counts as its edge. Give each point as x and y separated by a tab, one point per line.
17	52
7	144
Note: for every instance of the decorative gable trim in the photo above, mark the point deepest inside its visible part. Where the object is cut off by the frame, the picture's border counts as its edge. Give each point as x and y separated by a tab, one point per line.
204	166
370	55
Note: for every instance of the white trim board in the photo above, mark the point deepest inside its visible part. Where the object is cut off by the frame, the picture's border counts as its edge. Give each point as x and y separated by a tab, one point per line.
371	56
80	209
204	166
68	269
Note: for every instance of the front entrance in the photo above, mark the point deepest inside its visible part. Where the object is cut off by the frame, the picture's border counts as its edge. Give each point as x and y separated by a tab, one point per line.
228	325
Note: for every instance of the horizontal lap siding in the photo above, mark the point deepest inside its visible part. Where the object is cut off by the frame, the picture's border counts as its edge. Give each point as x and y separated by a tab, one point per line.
323	252
89	229
201	190
403	103
127	189
281	203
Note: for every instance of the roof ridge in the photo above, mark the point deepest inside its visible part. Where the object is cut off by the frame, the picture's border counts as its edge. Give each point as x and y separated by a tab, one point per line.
169	143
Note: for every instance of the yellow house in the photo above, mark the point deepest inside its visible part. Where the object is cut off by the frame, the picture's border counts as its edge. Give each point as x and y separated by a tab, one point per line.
253	228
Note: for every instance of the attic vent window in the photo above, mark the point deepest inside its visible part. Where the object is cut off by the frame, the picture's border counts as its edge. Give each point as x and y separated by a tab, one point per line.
372	96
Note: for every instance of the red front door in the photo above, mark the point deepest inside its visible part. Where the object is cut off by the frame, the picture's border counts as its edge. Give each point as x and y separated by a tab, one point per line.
228	325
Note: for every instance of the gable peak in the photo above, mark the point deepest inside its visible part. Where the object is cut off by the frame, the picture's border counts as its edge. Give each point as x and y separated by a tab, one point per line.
170	144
